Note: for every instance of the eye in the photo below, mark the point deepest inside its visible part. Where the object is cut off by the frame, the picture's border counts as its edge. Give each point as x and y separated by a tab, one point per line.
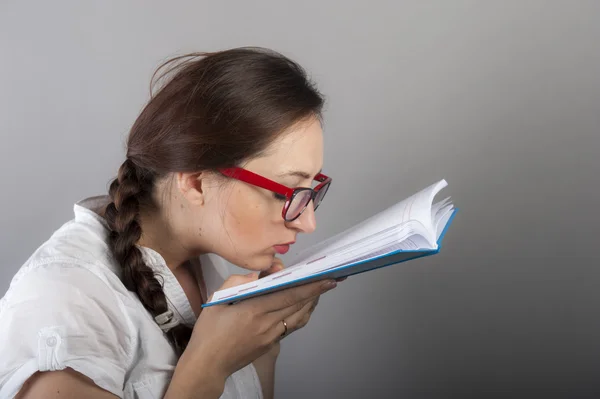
279	197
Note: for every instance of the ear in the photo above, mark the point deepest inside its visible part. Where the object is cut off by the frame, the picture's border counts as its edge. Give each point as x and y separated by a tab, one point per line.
192	186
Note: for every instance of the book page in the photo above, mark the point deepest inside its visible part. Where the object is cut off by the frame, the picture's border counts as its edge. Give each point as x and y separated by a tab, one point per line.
435	209
410	243
443	220
416	207
334	273
395	239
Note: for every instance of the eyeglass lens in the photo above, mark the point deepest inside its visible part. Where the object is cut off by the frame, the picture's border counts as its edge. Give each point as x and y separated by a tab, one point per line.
301	200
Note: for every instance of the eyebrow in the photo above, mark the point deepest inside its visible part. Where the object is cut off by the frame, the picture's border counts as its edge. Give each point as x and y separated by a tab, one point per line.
299	173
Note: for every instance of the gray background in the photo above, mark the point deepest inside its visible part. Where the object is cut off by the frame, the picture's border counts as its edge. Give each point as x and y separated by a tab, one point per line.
500	98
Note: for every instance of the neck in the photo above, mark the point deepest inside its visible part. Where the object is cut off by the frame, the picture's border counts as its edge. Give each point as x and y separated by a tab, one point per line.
159	235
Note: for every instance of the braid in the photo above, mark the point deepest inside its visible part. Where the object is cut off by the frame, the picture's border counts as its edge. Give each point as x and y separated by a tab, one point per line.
122	215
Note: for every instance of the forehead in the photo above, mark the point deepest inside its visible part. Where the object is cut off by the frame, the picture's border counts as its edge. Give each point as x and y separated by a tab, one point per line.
300	148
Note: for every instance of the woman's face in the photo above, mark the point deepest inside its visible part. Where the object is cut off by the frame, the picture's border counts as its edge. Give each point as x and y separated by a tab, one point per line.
247	228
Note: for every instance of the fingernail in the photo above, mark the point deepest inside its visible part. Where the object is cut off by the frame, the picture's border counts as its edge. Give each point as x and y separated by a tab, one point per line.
330	284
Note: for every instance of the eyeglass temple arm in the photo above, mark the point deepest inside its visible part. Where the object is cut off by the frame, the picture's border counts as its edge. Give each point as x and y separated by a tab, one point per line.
258	180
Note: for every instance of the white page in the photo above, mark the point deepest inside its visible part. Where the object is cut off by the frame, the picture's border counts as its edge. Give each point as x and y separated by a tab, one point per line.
415	207
410	243
443	221
399	237
435	209
401	234
336	272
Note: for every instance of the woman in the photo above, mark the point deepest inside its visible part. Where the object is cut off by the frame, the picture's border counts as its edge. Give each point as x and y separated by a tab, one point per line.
110	305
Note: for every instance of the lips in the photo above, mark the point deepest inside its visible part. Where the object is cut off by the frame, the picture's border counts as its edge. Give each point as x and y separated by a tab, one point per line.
282	248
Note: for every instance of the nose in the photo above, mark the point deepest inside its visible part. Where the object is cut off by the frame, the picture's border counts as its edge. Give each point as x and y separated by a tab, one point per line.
306	222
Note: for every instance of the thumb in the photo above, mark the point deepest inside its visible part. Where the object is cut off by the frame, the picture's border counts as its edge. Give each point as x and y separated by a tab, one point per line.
273	269
239	279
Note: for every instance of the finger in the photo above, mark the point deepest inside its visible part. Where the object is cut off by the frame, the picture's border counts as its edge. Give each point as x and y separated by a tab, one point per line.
308	305
277	261
294	322
314	304
287	298
275	267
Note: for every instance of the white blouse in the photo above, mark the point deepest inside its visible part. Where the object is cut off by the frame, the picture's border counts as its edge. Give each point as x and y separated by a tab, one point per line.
67	307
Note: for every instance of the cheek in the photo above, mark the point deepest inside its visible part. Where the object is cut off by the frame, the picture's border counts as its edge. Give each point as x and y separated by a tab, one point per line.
249	219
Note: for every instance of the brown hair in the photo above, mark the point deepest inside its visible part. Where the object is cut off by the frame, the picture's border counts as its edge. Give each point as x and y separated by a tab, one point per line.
216	110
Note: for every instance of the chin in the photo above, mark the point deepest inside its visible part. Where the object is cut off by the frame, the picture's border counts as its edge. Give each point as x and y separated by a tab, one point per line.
258	263
264	262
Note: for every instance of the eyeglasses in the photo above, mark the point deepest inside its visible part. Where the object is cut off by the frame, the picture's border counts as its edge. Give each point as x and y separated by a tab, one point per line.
297	199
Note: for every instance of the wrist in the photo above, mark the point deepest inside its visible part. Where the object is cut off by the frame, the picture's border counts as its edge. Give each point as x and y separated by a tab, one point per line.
274	352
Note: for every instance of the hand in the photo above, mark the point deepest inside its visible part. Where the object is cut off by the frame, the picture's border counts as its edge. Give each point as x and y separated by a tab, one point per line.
275	267
229	337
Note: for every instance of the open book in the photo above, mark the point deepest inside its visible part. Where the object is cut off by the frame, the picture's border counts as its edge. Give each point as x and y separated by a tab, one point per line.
407	230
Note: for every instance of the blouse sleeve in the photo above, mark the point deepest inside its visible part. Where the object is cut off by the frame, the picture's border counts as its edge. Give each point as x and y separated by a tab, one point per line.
58	316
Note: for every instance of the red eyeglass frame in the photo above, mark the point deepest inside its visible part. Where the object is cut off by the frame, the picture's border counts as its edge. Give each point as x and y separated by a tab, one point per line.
268	184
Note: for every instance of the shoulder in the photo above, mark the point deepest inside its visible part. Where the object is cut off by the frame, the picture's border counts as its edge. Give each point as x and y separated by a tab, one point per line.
64	315
63	282
79	245
83	239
